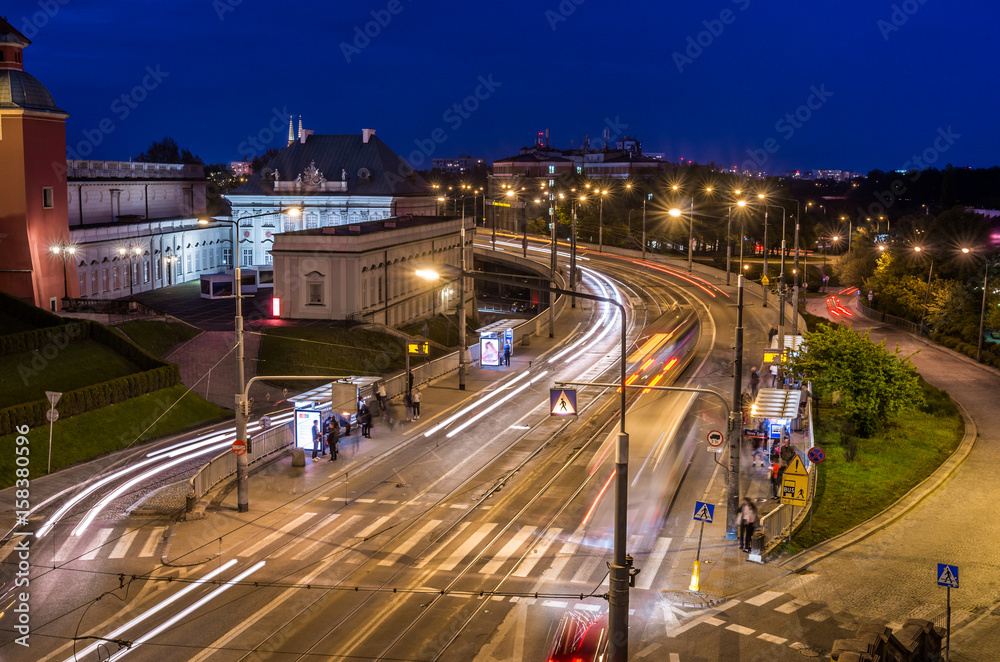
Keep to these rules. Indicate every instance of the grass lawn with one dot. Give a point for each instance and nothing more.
(25, 377)
(158, 337)
(331, 351)
(11, 324)
(441, 330)
(885, 467)
(95, 433)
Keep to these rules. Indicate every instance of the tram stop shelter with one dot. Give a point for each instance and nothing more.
(492, 339)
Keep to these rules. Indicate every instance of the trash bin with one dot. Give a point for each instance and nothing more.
(757, 541)
(298, 457)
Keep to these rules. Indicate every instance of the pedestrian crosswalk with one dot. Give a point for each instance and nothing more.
(489, 549)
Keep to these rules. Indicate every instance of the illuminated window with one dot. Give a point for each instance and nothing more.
(48, 197)
(315, 294)
(247, 259)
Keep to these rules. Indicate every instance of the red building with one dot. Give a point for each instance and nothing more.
(33, 207)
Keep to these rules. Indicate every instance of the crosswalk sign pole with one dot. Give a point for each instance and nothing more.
(947, 624)
(696, 571)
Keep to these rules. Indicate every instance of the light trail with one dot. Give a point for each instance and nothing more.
(152, 611)
(496, 404)
(597, 500)
(468, 408)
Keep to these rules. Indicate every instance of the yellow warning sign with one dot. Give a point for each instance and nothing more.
(796, 468)
(793, 489)
(418, 348)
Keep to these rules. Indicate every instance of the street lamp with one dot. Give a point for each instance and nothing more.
(927, 293)
(982, 314)
(600, 221)
(130, 253)
(62, 250)
(618, 593)
(242, 404)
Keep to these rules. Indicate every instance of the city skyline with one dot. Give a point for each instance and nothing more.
(850, 90)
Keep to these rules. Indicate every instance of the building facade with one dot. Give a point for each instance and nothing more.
(33, 205)
(367, 271)
(335, 180)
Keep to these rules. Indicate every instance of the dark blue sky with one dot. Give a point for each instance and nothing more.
(889, 74)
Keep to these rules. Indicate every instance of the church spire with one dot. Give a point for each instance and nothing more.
(291, 134)
(300, 128)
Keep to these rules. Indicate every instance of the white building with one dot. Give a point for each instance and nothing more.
(366, 271)
(336, 180)
(134, 227)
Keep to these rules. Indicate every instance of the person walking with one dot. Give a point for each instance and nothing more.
(408, 403)
(506, 354)
(415, 398)
(365, 418)
(748, 516)
(380, 395)
(333, 439)
(317, 440)
(775, 475)
(772, 332)
(787, 453)
(754, 381)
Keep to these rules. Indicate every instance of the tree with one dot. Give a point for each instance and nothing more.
(261, 160)
(167, 151)
(871, 382)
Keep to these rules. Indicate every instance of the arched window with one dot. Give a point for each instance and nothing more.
(364, 287)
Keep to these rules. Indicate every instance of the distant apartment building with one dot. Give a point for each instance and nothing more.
(463, 164)
(241, 168)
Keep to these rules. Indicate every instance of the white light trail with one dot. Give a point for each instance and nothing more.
(151, 612)
(496, 404)
(465, 410)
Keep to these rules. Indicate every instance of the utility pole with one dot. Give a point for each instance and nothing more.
(242, 405)
(552, 266)
(461, 315)
(764, 278)
(736, 427)
(572, 258)
(649, 196)
(691, 237)
(795, 281)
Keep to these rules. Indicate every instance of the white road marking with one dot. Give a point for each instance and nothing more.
(583, 575)
(409, 543)
(739, 629)
(711, 620)
(558, 604)
(152, 541)
(389, 501)
(819, 616)
(586, 606)
(772, 638)
(321, 539)
(372, 528)
(454, 534)
(566, 552)
(272, 537)
(66, 549)
(792, 605)
(653, 563)
(123, 544)
(512, 546)
(652, 648)
(364, 501)
(466, 547)
(537, 553)
(308, 533)
(99, 539)
(763, 598)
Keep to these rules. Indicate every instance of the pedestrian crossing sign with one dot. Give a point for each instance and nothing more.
(793, 489)
(703, 512)
(562, 401)
(947, 575)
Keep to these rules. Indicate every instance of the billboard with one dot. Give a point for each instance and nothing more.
(303, 427)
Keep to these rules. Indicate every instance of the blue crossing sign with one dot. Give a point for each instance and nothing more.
(947, 575)
(562, 401)
(703, 512)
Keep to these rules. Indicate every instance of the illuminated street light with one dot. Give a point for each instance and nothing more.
(62, 250)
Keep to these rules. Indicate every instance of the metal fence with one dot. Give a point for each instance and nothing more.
(779, 524)
(223, 465)
(881, 316)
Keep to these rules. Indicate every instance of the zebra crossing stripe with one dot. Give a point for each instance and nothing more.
(154, 538)
(409, 543)
(323, 537)
(653, 563)
(467, 547)
(273, 537)
(537, 553)
(123, 544)
(510, 548)
(99, 539)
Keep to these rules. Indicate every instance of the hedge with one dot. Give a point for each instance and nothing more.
(32, 314)
(90, 397)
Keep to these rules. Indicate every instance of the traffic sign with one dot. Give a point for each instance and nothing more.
(52, 415)
(239, 447)
(754, 434)
(816, 455)
(715, 438)
(871, 295)
(703, 512)
(562, 401)
(421, 348)
(796, 468)
(53, 397)
(947, 575)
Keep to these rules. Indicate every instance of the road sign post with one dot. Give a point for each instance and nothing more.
(716, 439)
(703, 512)
(947, 576)
(562, 401)
(52, 415)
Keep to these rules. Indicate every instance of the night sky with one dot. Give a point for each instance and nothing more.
(709, 81)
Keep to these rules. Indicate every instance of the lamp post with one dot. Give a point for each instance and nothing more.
(729, 234)
(927, 293)
(242, 403)
(62, 250)
(600, 222)
(982, 314)
(649, 196)
(618, 593)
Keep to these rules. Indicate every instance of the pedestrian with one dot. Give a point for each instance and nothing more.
(787, 453)
(746, 403)
(506, 354)
(415, 398)
(380, 395)
(333, 439)
(770, 335)
(365, 416)
(317, 440)
(775, 474)
(748, 516)
(408, 403)
(754, 381)
(755, 444)
(265, 422)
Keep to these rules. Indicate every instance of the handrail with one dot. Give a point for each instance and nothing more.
(223, 465)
